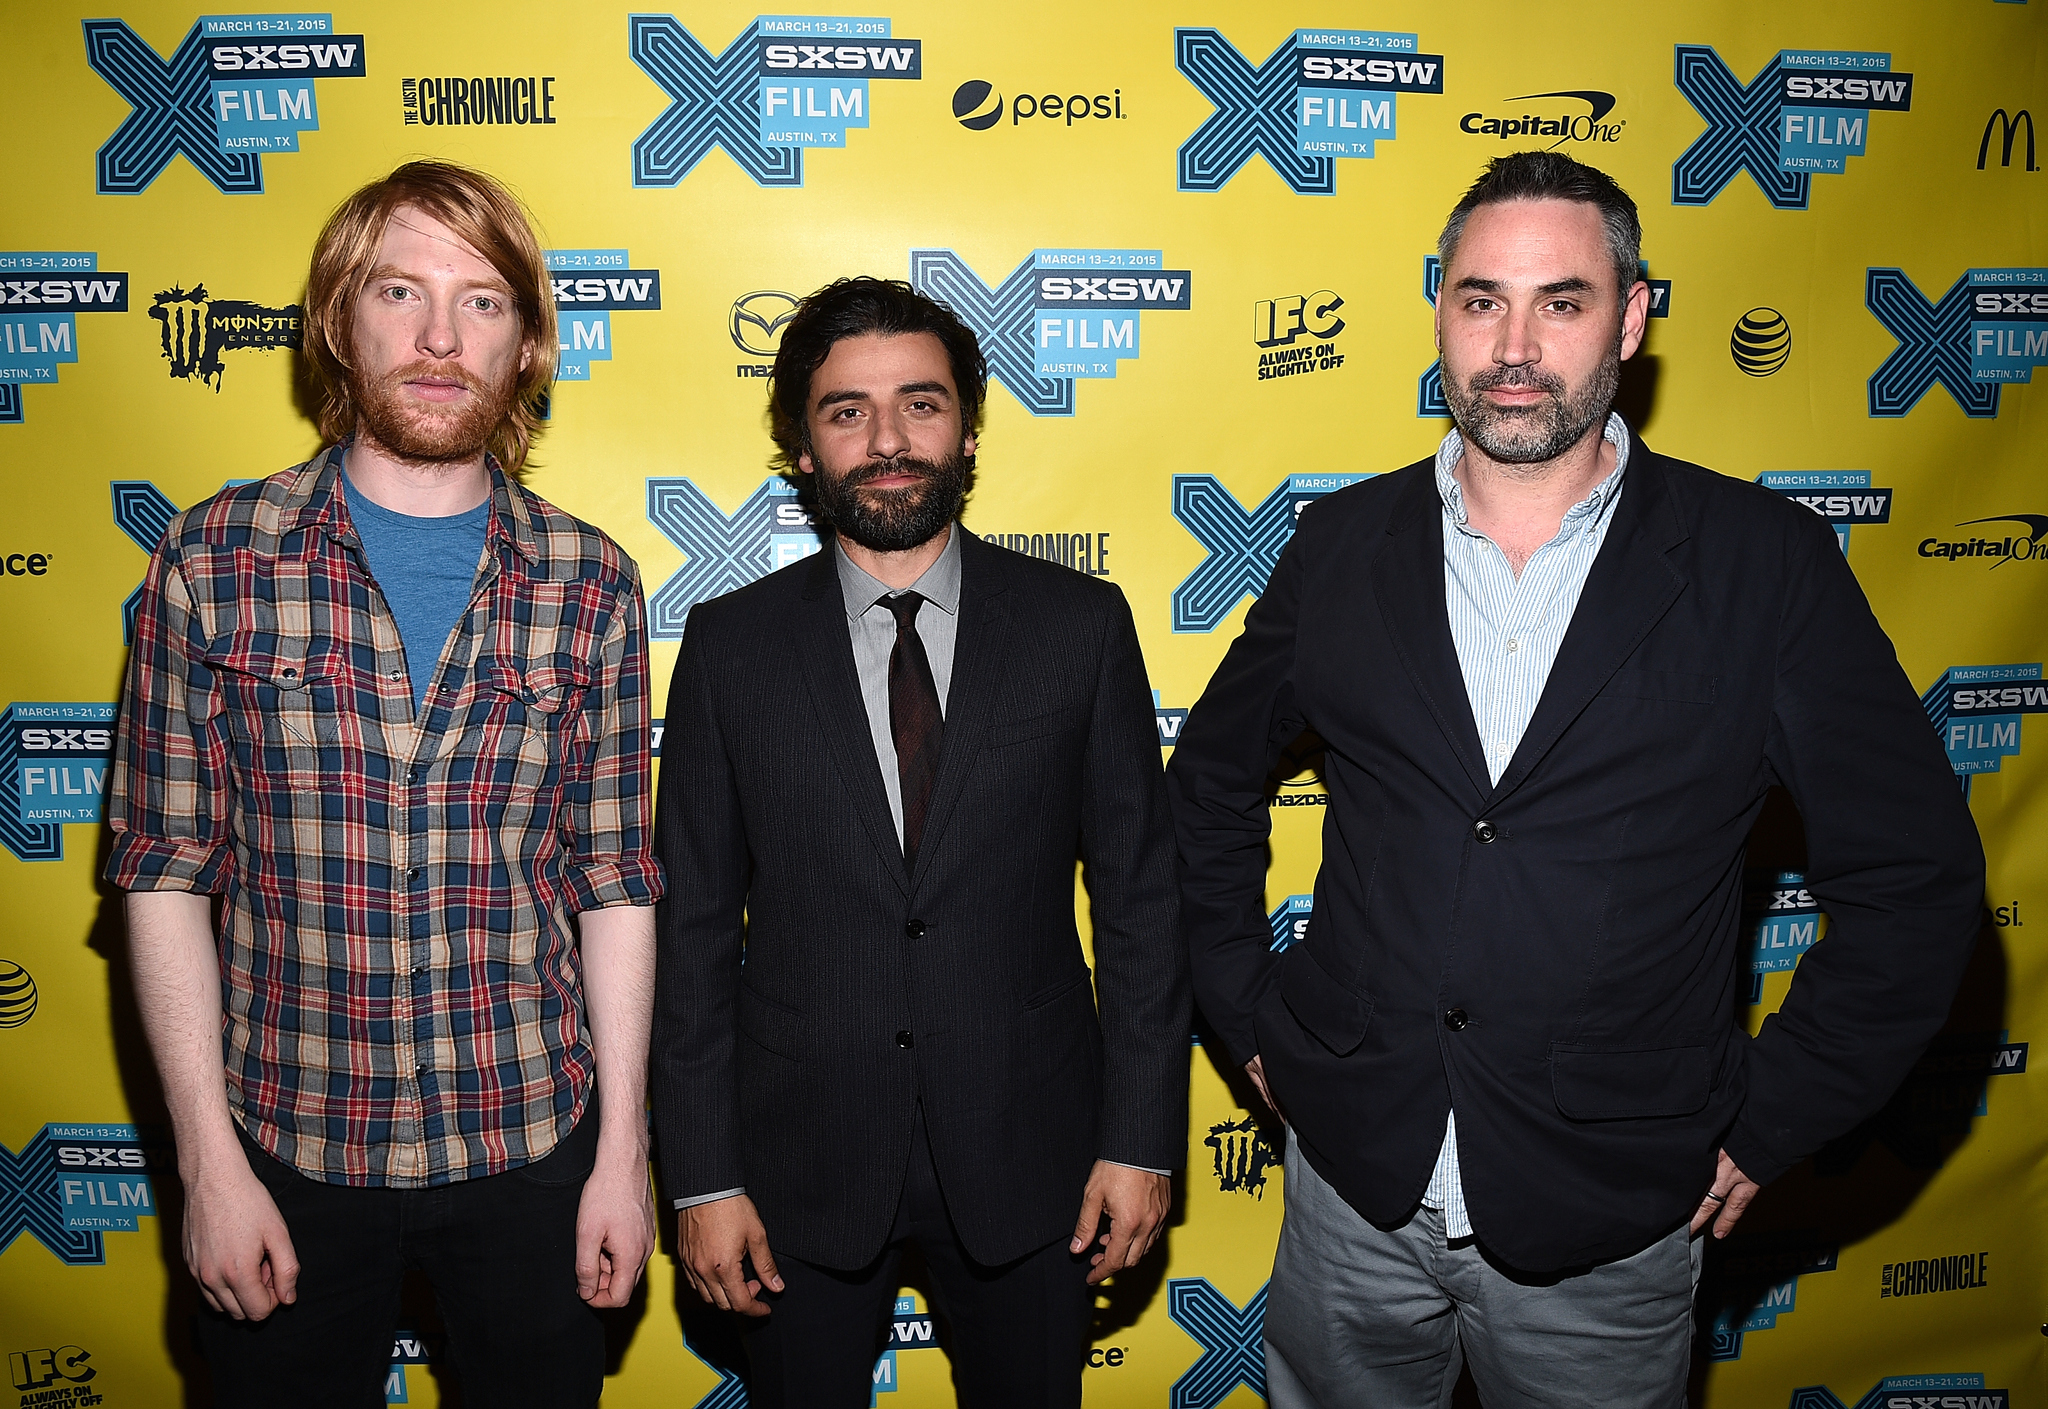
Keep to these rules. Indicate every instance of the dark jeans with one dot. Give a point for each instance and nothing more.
(1017, 1332)
(499, 1252)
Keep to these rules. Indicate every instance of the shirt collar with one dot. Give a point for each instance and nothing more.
(1615, 433)
(311, 501)
(940, 584)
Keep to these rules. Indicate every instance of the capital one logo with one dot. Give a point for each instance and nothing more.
(236, 87)
(1243, 544)
(1911, 1392)
(722, 552)
(1232, 1338)
(786, 83)
(71, 1185)
(1323, 94)
(1977, 709)
(1806, 112)
(1063, 315)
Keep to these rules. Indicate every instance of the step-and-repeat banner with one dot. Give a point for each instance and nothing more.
(1197, 242)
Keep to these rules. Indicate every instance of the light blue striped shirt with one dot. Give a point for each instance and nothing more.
(1507, 630)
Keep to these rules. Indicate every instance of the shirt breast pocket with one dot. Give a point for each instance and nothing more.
(537, 704)
(283, 698)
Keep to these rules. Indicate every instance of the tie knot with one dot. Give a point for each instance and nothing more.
(903, 606)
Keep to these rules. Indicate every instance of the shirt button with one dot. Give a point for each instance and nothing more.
(1483, 831)
(913, 929)
(1513, 645)
(1456, 1020)
(396, 674)
(904, 1039)
(412, 775)
(414, 873)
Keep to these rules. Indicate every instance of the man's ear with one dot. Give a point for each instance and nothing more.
(967, 444)
(804, 465)
(525, 355)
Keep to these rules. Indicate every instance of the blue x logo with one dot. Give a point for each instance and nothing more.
(1934, 346)
(1254, 114)
(1243, 548)
(10, 403)
(170, 100)
(720, 554)
(1429, 397)
(143, 513)
(28, 1204)
(1001, 318)
(1233, 1343)
(713, 106)
(1740, 133)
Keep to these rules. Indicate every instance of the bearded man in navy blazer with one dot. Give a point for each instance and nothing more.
(1555, 673)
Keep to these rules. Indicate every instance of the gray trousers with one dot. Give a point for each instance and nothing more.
(1363, 1318)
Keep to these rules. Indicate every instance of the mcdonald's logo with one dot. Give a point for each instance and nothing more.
(2009, 128)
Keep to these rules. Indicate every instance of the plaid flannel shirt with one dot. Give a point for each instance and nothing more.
(400, 979)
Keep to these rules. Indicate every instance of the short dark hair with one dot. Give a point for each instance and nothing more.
(1553, 176)
(851, 308)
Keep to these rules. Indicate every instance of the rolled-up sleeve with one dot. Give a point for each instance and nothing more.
(169, 793)
(609, 803)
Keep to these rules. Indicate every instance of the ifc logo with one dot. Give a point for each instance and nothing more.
(758, 319)
(1761, 342)
(968, 99)
(17, 994)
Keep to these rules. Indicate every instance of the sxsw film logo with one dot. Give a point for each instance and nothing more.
(909, 1329)
(755, 326)
(1232, 1339)
(1844, 498)
(1976, 709)
(30, 1370)
(1429, 396)
(1758, 1281)
(1991, 327)
(407, 1348)
(1290, 921)
(1997, 551)
(1784, 922)
(1935, 1107)
(71, 1185)
(786, 83)
(1323, 94)
(1279, 323)
(1243, 544)
(237, 87)
(1911, 1392)
(1562, 126)
(1063, 315)
(1168, 720)
(198, 328)
(53, 773)
(1808, 111)
(589, 286)
(721, 552)
(41, 295)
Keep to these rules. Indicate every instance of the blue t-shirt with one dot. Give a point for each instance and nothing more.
(426, 569)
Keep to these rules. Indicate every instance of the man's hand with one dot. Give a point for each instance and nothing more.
(715, 1236)
(1136, 1201)
(236, 1244)
(1727, 1196)
(1256, 1070)
(614, 1228)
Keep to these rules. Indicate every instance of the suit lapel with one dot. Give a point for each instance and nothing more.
(1632, 584)
(980, 646)
(1408, 584)
(826, 649)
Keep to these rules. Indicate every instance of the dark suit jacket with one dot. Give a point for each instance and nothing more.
(863, 986)
(1557, 954)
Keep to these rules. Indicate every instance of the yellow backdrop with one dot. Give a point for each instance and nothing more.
(1195, 238)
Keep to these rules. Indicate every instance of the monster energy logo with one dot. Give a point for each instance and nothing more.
(198, 328)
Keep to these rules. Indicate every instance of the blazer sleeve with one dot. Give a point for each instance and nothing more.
(1230, 743)
(1141, 964)
(700, 926)
(1893, 858)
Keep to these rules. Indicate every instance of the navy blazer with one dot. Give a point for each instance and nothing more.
(1557, 954)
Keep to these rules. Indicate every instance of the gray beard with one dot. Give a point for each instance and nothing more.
(1538, 434)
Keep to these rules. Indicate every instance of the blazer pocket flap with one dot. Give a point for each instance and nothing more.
(780, 1030)
(1664, 685)
(1332, 1013)
(1016, 731)
(1053, 992)
(1609, 1085)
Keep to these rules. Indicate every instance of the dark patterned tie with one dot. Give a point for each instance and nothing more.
(914, 719)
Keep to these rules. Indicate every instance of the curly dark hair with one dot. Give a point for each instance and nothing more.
(851, 308)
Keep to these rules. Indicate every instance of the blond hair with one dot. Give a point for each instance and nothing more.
(485, 216)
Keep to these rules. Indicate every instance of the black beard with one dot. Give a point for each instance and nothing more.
(1532, 435)
(894, 520)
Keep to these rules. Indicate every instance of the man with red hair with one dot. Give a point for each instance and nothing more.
(391, 709)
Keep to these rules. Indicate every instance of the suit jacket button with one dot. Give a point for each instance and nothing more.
(904, 1039)
(1483, 831)
(913, 929)
(1455, 1020)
